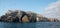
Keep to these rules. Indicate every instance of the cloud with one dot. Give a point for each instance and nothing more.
(53, 10)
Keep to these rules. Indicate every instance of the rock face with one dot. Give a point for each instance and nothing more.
(21, 16)
(53, 20)
(31, 16)
(25, 19)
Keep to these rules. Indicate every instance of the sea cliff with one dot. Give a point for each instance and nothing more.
(22, 16)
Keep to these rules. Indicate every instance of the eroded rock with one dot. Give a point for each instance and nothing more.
(21, 16)
(25, 19)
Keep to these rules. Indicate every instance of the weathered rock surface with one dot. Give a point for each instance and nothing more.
(53, 20)
(21, 16)
(25, 19)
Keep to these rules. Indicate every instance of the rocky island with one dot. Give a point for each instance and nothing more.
(22, 16)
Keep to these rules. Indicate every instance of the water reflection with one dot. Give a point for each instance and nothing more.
(48, 25)
(17, 25)
(30, 25)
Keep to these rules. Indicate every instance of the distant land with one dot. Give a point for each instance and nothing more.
(22, 16)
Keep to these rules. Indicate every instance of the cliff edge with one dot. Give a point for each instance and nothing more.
(22, 16)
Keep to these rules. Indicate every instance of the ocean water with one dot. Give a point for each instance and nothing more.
(30, 25)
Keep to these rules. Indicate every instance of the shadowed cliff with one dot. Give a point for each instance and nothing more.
(21, 16)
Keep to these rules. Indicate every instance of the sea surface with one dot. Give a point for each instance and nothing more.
(30, 25)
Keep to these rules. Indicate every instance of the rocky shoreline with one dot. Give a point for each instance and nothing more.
(21, 16)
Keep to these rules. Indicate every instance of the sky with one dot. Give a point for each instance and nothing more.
(53, 10)
(44, 7)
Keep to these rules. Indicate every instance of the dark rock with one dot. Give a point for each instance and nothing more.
(32, 16)
(21, 16)
(3, 18)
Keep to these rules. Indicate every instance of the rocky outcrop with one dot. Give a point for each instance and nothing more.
(53, 20)
(21, 16)
(31, 16)
(25, 19)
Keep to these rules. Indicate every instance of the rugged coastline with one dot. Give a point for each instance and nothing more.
(22, 16)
